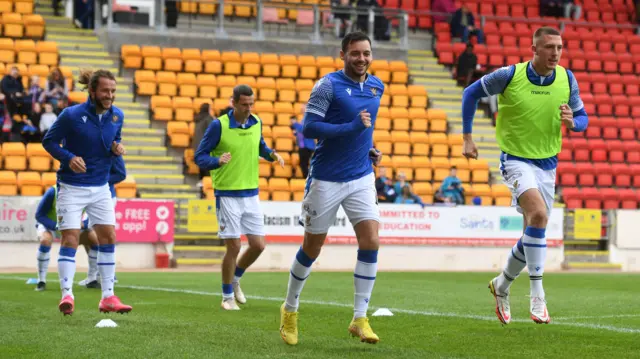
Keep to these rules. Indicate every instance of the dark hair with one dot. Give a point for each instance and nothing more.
(90, 78)
(545, 30)
(352, 37)
(454, 168)
(241, 90)
(204, 108)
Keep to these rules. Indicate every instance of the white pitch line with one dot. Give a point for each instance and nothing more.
(557, 321)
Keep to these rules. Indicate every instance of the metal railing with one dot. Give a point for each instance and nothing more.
(322, 24)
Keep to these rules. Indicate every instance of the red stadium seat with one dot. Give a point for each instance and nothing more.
(622, 173)
(610, 198)
(572, 198)
(604, 174)
(635, 173)
(586, 174)
(628, 198)
(567, 172)
(598, 149)
(580, 149)
(616, 151)
(592, 198)
(632, 149)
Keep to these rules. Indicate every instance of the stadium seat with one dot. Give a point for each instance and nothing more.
(8, 183)
(39, 158)
(29, 183)
(49, 179)
(14, 154)
(126, 188)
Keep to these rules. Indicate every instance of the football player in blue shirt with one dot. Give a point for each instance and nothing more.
(341, 114)
(90, 134)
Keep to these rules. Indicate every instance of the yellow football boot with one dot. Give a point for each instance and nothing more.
(288, 326)
(360, 328)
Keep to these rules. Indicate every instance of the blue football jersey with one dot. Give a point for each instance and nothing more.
(338, 99)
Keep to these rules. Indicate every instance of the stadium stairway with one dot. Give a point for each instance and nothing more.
(444, 94)
(157, 170)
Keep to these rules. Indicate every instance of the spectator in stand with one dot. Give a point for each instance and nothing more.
(22, 130)
(463, 25)
(443, 6)
(452, 189)
(559, 8)
(226, 110)
(466, 64)
(306, 146)
(384, 187)
(408, 197)
(35, 116)
(55, 89)
(13, 90)
(342, 18)
(202, 121)
(34, 93)
(47, 119)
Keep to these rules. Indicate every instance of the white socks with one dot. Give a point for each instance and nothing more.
(364, 278)
(66, 270)
(92, 274)
(535, 250)
(107, 268)
(300, 270)
(515, 264)
(44, 254)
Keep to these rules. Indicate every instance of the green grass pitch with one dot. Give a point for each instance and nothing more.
(436, 315)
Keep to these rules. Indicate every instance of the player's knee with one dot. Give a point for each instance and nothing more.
(69, 240)
(538, 218)
(45, 241)
(233, 247)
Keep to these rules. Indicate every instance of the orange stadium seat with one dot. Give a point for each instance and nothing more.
(14, 154)
(29, 183)
(126, 188)
(8, 183)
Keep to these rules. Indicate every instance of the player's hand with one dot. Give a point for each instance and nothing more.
(469, 149)
(77, 165)
(225, 158)
(567, 116)
(376, 156)
(118, 149)
(365, 117)
(276, 157)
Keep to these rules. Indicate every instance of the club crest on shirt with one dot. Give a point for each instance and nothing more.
(115, 118)
(374, 91)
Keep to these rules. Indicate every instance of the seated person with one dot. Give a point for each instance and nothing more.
(408, 197)
(452, 188)
(384, 187)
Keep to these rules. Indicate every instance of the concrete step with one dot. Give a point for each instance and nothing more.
(147, 159)
(68, 30)
(169, 195)
(155, 132)
(195, 237)
(439, 82)
(427, 53)
(452, 97)
(613, 267)
(198, 261)
(427, 67)
(416, 60)
(153, 178)
(444, 89)
(136, 123)
(84, 61)
(83, 46)
(153, 168)
(74, 38)
(143, 141)
(147, 150)
(77, 53)
(167, 187)
(431, 74)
